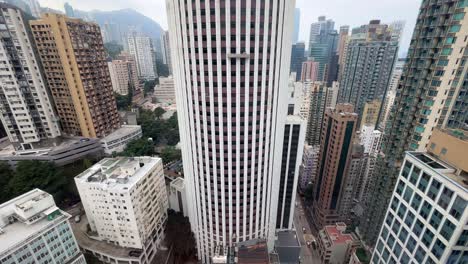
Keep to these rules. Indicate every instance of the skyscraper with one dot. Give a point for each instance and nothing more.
(367, 69)
(140, 46)
(123, 74)
(166, 46)
(430, 93)
(26, 107)
(342, 48)
(323, 44)
(297, 58)
(232, 109)
(297, 24)
(34, 7)
(426, 219)
(330, 202)
(309, 71)
(75, 66)
(69, 11)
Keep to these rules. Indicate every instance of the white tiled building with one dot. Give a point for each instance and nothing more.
(426, 221)
(141, 48)
(126, 204)
(34, 230)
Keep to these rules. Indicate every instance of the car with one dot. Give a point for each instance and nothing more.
(77, 219)
(303, 229)
(308, 243)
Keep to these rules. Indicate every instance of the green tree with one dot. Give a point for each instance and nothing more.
(163, 69)
(170, 153)
(139, 147)
(159, 112)
(148, 87)
(113, 49)
(6, 174)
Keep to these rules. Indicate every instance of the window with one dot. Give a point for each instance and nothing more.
(445, 198)
(425, 210)
(380, 246)
(408, 194)
(401, 211)
(453, 259)
(406, 169)
(416, 202)
(418, 227)
(438, 248)
(397, 250)
(415, 175)
(447, 230)
(400, 187)
(404, 258)
(394, 204)
(384, 233)
(436, 219)
(427, 238)
(458, 16)
(390, 241)
(409, 219)
(446, 52)
(403, 235)
(434, 189)
(454, 28)
(420, 254)
(463, 238)
(424, 182)
(458, 207)
(396, 226)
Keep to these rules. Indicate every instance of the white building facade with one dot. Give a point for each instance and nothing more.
(126, 202)
(27, 111)
(118, 140)
(426, 218)
(34, 230)
(141, 48)
(230, 80)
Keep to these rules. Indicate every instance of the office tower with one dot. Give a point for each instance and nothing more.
(342, 48)
(297, 24)
(140, 47)
(166, 46)
(308, 171)
(34, 7)
(34, 230)
(297, 58)
(124, 75)
(230, 124)
(164, 92)
(329, 201)
(335, 244)
(69, 11)
(126, 204)
(75, 66)
(26, 109)
(370, 113)
(293, 147)
(422, 100)
(368, 66)
(426, 219)
(323, 44)
(319, 97)
(309, 71)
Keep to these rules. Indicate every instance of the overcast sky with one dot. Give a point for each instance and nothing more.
(344, 12)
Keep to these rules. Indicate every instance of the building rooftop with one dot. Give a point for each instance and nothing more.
(252, 252)
(287, 239)
(442, 168)
(121, 132)
(120, 173)
(24, 216)
(178, 183)
(336, 234)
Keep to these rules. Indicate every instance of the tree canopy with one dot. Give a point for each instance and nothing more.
(113, 49)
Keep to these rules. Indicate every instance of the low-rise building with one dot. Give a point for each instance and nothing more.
(288, 247)
(335, 245)
(34, 230)
(116, 141)
(164, 92)
(308, 170)
(177, 196)
(126, 204)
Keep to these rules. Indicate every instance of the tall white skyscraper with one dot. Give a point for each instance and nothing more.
(141, 48)
(26, 108)
(230, 66)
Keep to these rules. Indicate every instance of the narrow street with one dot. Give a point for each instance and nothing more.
(308, 254)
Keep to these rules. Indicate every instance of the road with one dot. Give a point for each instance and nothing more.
(308, 255)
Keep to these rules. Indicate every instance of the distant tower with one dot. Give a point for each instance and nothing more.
(69, 11)
(231, 81)
(140, 46)
(297, 58)
(297, 24)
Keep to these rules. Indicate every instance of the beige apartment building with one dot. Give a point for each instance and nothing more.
(74, 60)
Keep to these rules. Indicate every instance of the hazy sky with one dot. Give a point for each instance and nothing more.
(344, 12)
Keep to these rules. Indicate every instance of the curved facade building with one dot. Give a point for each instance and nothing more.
(231, 65)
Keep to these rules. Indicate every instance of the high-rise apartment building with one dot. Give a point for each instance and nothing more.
(367, 69)
(309, 71)
(396, 74)
(329, 199)
(297, 24)
(319, 97)
(75, 66)
(34, 230)
(426, 219)
(26, 108)
(34, 7)
(297, 58)
(124, 74)
(166, 46)
(141, 47)
(126, 204)
(430, 93)
(308, 171)
(69, 11)
(342, 48)
(323, 44)
(232, 114)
